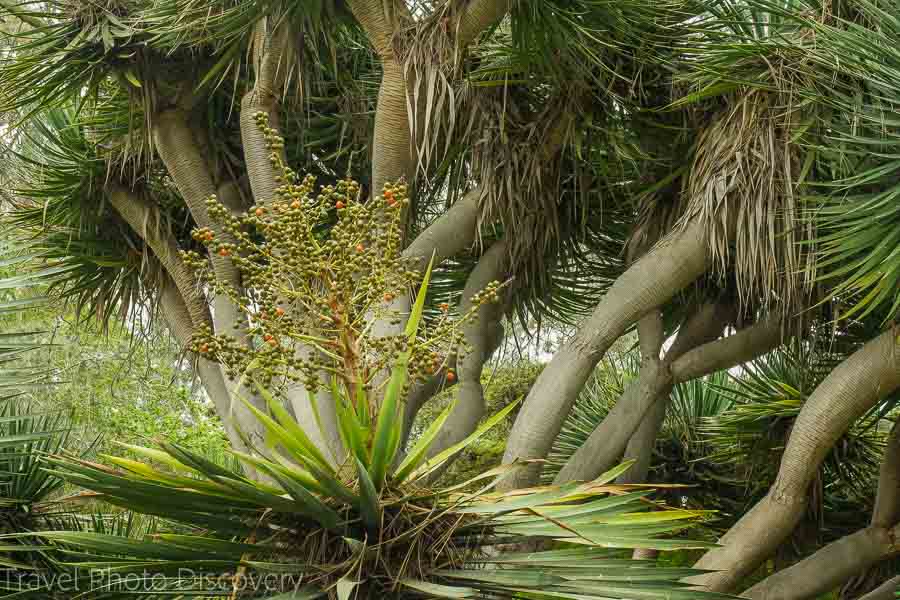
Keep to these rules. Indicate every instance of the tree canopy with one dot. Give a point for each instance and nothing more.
(276, 179)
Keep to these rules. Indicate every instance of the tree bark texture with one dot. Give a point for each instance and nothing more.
(886, 591)
(479, 335)
(651, 281)
(852, 388)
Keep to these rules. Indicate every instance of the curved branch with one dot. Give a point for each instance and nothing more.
(272, 51)
(640, 444)
(886, 591)
(651, 281)
(450, 234)
(177, 317)
(748, 343)
(469, 407)
(886, 512)
(852, 388)
(829, 567)
(703, 326)
(480, 16)
(182, 156)
(142, 216)
(837, 562)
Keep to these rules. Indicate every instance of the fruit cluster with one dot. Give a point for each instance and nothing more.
(324, 287)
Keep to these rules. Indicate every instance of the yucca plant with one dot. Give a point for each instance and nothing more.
(358, 517)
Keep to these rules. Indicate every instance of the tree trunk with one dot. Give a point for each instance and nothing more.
(604, 447)
(210, 374)
(392, 154)
(852, 388)
(272, 66)
(829, 567)
(886, 591)
(469, 408)
(837, 562)
(651, 281)
(180, 152)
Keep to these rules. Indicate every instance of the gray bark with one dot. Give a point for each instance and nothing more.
(181, 153)
(886, 591)
(604, 447)
(469, 408)
(829, 567)
(661, 273)
(177, 317)
(852, 388)
(837, 562)
(272, 67)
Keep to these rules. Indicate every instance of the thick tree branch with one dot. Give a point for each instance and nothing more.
(377, 23)
(182, 156)
(177, 317)
(604, 447)
(829, 567)
(651, 281)
(645, 398)
(748, 343)
(837, 562)
(886, 512)
(852, 388)
(450, 234)
(640, 444)
(392, 152)
(272, 54)
(479, 333)
(480, 16)
(143, 217)
(886, 591)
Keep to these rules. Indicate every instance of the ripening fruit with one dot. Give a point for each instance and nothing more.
(204, 349)
(273, 342)
(444, 306)
(224, 252)
(279, 311)
(260, 212)
(268, 337)
(451, 376)
(339, 205)
(295, 204)
(388, 297)
(360, 248)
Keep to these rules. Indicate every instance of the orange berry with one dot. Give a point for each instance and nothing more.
(279, 311)
(339, 205)
(388, 297)
(268, 337)
(204, 348)
(360, 248)
(295, 204)
(273, 342)
(451, 376)
(224, 252)
(260, 212)
(444, 306)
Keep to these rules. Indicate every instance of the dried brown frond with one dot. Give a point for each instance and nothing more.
(744, 185)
